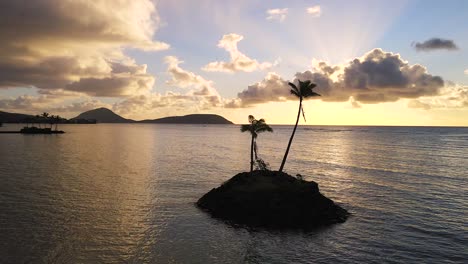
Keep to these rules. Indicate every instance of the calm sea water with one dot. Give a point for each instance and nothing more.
(125, 194)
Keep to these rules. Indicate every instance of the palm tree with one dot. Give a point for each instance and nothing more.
(51, 121)
(38, 120)
(57, 120)
(304, 91)
(45, 115)
(255, 127)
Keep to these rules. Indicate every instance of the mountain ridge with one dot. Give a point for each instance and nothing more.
(105, 115)
(189, 119)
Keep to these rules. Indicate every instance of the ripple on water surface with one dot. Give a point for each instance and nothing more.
(125, 193)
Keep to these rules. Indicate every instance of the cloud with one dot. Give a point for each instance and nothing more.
(353, 102)
(182, 78)
(453, 96)
(79, 107)
(125, 22)
(200, 94)
(74, 45)
(50, 102)
(435, 44)
(314, 11)
(168, 103)
(277, 14)
(115, 85)
(271, 89)
(239, 61)
(418, 104)
(197, 85)
(466, 72)
(25, 102)
(376, 77)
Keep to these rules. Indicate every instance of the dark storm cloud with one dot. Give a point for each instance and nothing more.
(435, 44)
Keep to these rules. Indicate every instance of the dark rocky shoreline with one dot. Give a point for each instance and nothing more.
(271, 199)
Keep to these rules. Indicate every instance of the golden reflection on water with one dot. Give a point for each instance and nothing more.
(111, 198)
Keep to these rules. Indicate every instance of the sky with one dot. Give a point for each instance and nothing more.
(374, 62)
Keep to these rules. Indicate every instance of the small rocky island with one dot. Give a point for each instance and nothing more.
(38, 130)
(271, 199)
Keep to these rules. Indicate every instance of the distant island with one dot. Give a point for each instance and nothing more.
(104, 115)
(190, 119)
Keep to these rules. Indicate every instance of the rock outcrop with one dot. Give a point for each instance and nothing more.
(271, 199)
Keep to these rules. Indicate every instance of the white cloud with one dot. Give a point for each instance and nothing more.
(182, 78)
(166, 103)
(466, 71)
(239, 61)
(451, 96)
(277, 14)
(314, 11)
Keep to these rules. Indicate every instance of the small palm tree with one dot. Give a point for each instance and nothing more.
(51, 121)
(38, 120)
(45, 115)
(255, 127)
(57, 120)
(304, 91)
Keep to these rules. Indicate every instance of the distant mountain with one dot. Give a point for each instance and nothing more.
(103, 115)
(13, 117)
(190, 119)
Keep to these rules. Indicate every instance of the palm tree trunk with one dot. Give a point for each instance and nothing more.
(292, 136)
(251, 154)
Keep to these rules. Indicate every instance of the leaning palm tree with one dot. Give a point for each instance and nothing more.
(304, 91)
(255, 127)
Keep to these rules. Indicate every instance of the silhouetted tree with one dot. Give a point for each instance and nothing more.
(38, 120)
(51, 120)
(29, 120)
(303, 91)
(255, 127)
(57, 120)
(45, 115)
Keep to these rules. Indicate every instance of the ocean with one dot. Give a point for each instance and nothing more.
(125, 193)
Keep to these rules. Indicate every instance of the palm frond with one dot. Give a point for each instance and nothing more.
(293, 85)
(262, 128)
(294, 89)
(245, 128)
(305, 83)
(295, 93)
(309, 93)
